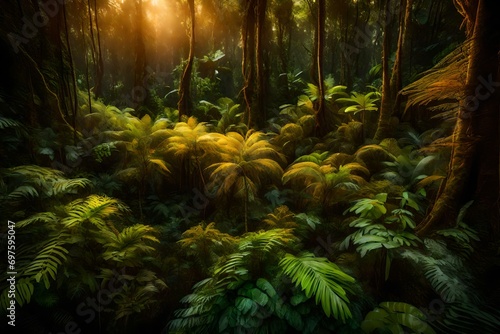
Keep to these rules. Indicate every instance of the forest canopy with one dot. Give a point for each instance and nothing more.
(256, 166)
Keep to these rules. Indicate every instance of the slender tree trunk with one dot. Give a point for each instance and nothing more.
(185, 103)
(386, 104)
(248, 58)
(397, 76)
(322, 124)
(474, 167)
(99, 69)
(283, 14)
(139, 91)
(261, 73)
(74, 92)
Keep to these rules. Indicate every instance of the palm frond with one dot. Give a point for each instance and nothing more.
(322, 279)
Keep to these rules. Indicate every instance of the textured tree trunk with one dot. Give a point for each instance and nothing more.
(139, 91)
(99, 70)
(248, 58)
(283, 14)
(474, 167)
(397, 70)
(260, 94)
(185, 103)
(322, 123)
(387, 102)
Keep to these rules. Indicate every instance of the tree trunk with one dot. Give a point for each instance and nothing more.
(185, 104)
(474, 165)
(396, 75)
(248, 58)
(322, 123)
(259, 108)
(386, 104)
(139, 91)
(99, 70)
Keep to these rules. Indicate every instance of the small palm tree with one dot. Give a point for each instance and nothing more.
(360, 103)
(192, 147)
(249, 163)
(142, 159)
(206, 243)
(323, 182)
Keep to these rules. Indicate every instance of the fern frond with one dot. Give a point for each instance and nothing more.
(320, 278)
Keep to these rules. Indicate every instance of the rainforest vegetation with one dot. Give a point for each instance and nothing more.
(250, 166)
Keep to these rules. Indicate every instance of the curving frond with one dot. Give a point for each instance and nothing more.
(130, 244)
(322, 279)
(396, 317)
(95, 209)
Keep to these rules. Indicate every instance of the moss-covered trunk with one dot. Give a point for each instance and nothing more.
(474, 167)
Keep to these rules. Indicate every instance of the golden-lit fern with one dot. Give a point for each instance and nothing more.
(206, 243)
(143, 162)
(322, 181)
(191, 149)
(249, 163)
(94, 209)
(282, 217)
(439, 88)
(129, 245)
(36, 181)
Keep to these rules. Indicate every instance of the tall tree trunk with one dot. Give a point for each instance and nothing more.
(74, 92)
(284, 15)
(259, 108)
(185, 103)
(99, 69)
(139, 91)
(322, 123)
(386, 104)
(474, 167)
(397, 70)
(248, 57)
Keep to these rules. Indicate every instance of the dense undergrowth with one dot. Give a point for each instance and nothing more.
(205, 226)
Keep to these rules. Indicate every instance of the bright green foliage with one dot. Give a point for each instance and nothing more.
(125, 246)
(376, 229)
(396, 317)
(370, 208)
(320, 278)
(332, 92)
(32, 181)
(82, 237)
(231, 115)
(247, 290)
(360, 102)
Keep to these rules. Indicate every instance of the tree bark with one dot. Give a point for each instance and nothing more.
(248, 58)
(139, 91)
(261, 73)
(386, 104)
(185, 103)
(474, 167)
(322, 124)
